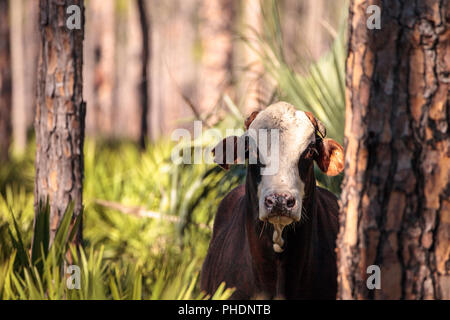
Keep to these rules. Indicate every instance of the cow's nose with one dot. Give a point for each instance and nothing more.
(279, 203)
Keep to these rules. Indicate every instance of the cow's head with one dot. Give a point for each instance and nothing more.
(277, 163)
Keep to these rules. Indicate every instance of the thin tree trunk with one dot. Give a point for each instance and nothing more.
(19, 110)
(5, 82)
(144, 87)
(31, 41)
(314, 32)
(215, 28)
(256, 88)
(99, 70)
(60, 113)
(174, 73)
(395, 198)
(127, 70)
(253, 77)
(293, 17)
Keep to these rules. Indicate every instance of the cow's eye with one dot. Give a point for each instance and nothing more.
(311, 152)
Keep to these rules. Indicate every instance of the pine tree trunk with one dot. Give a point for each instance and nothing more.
(31, 40)
(19, 110)
(99, 70)
(60, 112)
(395, 198)
(127, 71)
(5, 82)
(254, 93)
(215, 28)
(172, 64)
(315, 33)
(144, 81)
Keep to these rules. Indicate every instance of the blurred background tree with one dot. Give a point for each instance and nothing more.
(5, 82)
(145, 79)
(147, 220)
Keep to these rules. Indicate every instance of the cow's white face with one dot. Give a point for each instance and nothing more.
(281, 192)
(280, 189)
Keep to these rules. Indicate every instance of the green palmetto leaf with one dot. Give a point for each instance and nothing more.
(19, 286)
(137, 287)
(187, 293)
(22, 254)
(114, 288)
(222, 293)
(63, 234)
(41, 236)
(6, 271)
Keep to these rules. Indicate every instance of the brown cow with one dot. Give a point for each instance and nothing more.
(274, 237)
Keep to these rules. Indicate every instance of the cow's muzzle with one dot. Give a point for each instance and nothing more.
(279, 204)
(280, 210)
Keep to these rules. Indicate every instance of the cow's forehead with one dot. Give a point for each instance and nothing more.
(290, 122)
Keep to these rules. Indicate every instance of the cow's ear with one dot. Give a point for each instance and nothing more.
(330, 158)
(318, 125)
(227, 152)
(250, 119)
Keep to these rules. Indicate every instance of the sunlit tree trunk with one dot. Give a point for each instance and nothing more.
(293, 17)
(314, 32)
(395, 198)
(216, 33)
(19, 111)
(60, 112)
(99, 70)
(128, 71)
(173, 69)
(5, 82)
(31, 39)
(253, 86)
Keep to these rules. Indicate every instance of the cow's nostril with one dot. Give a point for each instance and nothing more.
(277, 203)
(269, 202)
(290, 203)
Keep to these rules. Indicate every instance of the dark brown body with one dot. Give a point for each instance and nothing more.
(241, 253)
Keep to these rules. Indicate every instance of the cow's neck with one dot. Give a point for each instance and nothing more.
(273, 268)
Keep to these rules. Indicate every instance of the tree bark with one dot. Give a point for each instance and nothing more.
(5, 82)
(315, 33)
(60, 113)
(127, 71)
(395, 198)
(31, 41)
(99, 69)
(215, 29)
(173, 68)
(19, 110)
(254, 90)
(144, 81)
